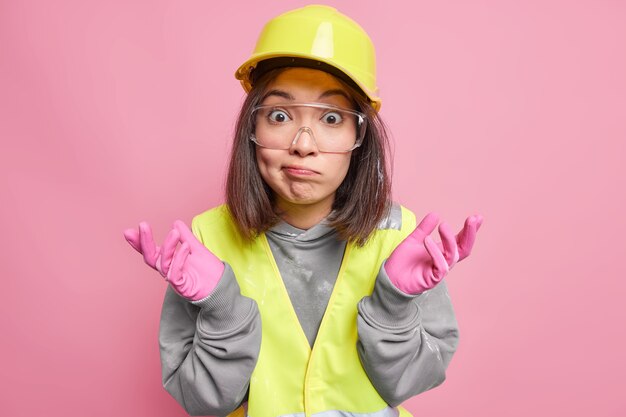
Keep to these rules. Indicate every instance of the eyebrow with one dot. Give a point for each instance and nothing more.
(286, 95)
(278, 93)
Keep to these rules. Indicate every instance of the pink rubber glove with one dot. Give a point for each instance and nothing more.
(191, 269)
(419, 264)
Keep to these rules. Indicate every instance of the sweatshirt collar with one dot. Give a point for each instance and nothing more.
(289, 232)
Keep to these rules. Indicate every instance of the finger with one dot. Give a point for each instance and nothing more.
(167, 250)
(186, 235)
(175, 275)
(448, 240)
(182, 283)
(147, 244)
(479, 219)
(440, 266)
(132, 237)
(466, 237)
(428, 224)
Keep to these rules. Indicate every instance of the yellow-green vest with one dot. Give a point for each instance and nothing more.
(290, 378)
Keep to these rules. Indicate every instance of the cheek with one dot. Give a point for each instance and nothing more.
(339, 171)
(264, 162)
(342, 166)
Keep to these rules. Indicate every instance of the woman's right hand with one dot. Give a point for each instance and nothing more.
(191, 269)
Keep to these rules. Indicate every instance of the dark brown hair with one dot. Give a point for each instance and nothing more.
(362, 200)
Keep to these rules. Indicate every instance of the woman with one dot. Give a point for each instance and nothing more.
(308, 292)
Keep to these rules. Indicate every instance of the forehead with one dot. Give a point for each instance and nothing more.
(308, 85)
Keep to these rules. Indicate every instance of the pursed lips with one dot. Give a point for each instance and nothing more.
(299, 170)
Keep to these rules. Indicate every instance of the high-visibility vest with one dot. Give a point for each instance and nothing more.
(291, 378)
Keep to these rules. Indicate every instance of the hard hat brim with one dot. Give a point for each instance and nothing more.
(244, 72)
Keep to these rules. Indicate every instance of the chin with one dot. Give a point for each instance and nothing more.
(305, 199)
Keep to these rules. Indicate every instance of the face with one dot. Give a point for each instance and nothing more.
(302, 177)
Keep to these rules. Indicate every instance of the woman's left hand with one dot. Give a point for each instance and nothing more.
(418, 263)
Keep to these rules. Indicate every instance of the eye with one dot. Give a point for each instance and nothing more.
(332, 118)
(278, 116)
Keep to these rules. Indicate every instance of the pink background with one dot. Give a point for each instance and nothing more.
(117, 112)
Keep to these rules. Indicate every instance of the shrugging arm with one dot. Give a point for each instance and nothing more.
(405, 342)
(209, 347)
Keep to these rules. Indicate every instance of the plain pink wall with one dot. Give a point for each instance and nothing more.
(115, 113)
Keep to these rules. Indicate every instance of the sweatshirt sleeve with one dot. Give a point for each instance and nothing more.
(209, 347)
(405, 342)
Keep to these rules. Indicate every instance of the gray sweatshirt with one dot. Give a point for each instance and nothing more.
(209, 347)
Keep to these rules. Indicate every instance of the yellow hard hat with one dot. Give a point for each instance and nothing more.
(319, 37)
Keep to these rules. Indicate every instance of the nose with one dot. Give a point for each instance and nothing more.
(304, 143)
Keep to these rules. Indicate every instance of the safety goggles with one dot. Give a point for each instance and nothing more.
(333, 129)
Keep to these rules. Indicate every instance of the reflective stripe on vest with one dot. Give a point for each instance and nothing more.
(387, 412)
(290, 378)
